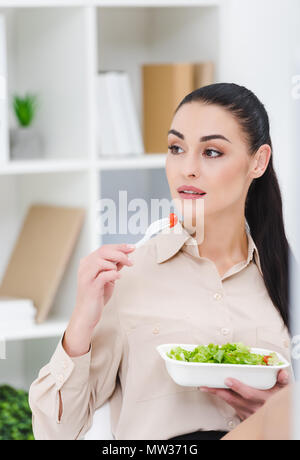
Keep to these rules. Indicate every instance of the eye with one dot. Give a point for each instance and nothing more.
(174, 149)
(219, 154)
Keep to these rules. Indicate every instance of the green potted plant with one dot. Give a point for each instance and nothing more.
(15, 415)
(25, 140)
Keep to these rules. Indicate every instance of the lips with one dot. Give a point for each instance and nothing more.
(190, 188)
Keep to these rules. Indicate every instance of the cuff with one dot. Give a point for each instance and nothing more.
(75, 370)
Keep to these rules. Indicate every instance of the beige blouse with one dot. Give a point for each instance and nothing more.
(169, 295)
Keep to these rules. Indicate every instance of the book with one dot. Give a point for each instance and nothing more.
(119, 132)
(41, 254)
(117, 113)
(106, 140)
(16, 310)
(3, 95)
(164, 87)
(130, 115)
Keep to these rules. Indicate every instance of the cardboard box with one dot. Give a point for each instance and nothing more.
(164, 87)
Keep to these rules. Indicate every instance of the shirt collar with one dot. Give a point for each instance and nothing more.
(171, 240)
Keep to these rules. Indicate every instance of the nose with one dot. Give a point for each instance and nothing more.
(191, 166)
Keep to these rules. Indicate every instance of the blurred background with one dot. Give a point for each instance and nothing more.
(66, 141)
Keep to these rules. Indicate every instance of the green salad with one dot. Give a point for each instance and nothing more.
(230, 353)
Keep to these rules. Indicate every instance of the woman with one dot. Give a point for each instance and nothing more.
(231, 287)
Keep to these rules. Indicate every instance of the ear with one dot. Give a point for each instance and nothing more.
(260, 161)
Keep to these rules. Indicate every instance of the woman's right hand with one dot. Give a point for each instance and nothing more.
(97, 274)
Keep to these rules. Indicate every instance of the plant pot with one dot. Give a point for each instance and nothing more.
(25, 143)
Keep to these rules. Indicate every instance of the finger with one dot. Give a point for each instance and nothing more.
(243, 407)
(105, 250)
(105, 265)
(126, 248)
(282, 377)
(89, 271)
(243, 413)
(107, 277)
(247, 392)
(117, 257)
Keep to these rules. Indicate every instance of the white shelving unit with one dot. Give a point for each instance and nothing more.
(56, 48)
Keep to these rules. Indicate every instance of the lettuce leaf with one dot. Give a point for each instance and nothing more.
(230, 353)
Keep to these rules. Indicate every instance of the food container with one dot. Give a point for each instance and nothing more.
(214, 374)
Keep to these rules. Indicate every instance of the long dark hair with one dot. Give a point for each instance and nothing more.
(263, 207)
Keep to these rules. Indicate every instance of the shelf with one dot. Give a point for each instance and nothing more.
(111, 163)
(154, 160)
(107, 3)
(155, 3)
(42, 166)
(42, 3)
(50, 328)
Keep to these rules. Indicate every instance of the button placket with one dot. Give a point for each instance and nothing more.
(223, 331)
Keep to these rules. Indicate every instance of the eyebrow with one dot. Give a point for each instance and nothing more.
(202, 139)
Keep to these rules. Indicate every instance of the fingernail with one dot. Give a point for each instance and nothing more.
(229, 382)
(131, 246)
(204, 390)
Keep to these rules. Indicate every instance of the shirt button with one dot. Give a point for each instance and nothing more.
(64, 365)
(60, 378)
(230, 424)
(155, 330)
(218, 296)
(286, 343)
(225, 331)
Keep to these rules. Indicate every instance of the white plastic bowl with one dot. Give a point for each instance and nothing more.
(213, 374)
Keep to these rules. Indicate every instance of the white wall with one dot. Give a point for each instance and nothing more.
(257, 40)
(295, 70)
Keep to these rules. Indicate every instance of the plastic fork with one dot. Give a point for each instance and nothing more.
(157, 226)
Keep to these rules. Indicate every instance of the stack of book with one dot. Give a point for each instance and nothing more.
(16, 311)
(164, 86)
(3, 94)
(118, 129)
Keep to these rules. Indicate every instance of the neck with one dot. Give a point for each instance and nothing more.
(225, 239)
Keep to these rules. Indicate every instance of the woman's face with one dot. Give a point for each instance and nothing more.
(198, 156)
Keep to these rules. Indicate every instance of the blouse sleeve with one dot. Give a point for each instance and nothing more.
(82, 383)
